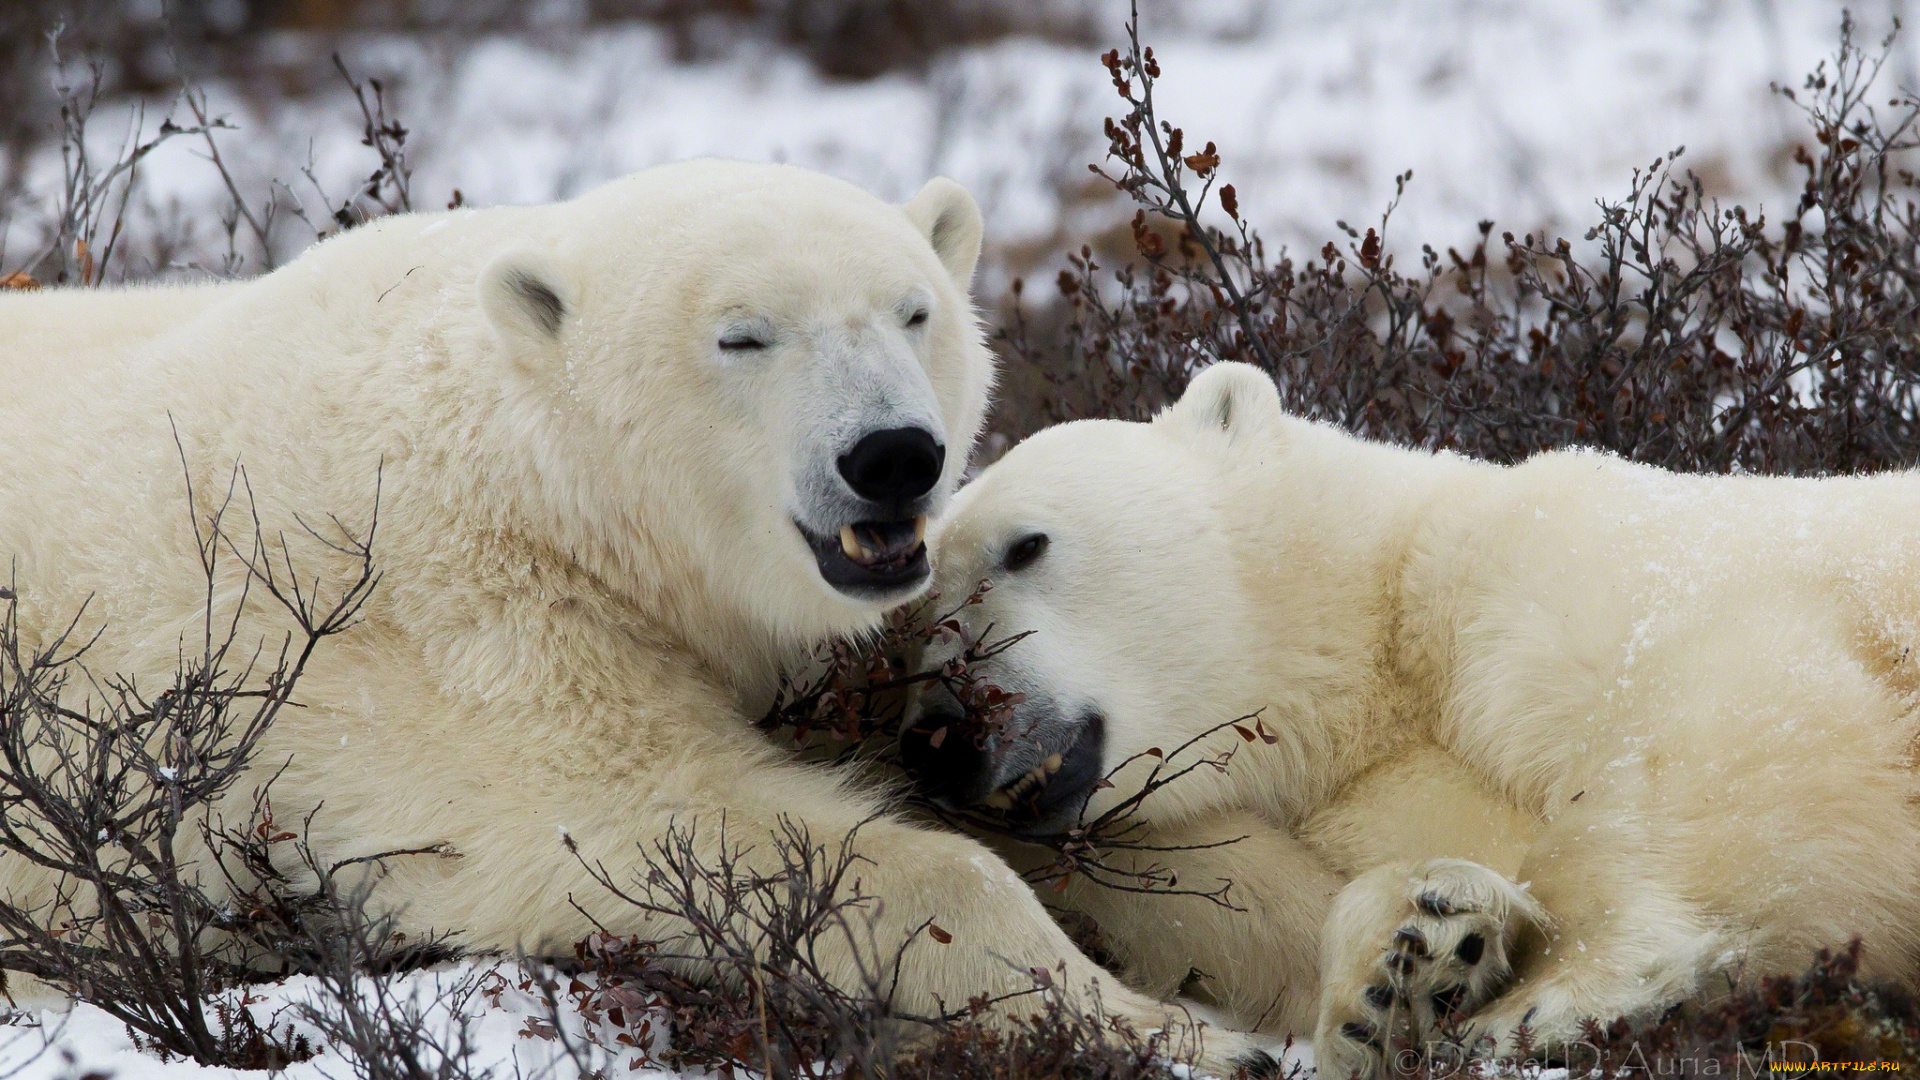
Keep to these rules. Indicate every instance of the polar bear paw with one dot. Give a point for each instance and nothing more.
(1409, 953)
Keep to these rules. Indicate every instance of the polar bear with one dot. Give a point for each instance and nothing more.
(1570, 739)
(636, 452)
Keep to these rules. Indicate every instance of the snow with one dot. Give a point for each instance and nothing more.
(49, 1045)
(500, 1011)
(1519, 111)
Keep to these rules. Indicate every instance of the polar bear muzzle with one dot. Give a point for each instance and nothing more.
(870, 559)
(1018, 776)
(892, 472)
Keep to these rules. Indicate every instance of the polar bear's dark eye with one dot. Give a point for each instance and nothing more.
(918, 318)
(1024, 551)
(741, 343)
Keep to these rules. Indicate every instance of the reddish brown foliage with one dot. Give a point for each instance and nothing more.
(1678, 332)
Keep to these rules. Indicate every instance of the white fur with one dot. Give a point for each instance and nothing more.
(1679, 711)
(590, 571)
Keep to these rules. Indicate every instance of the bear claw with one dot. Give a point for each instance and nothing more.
(1434, 948)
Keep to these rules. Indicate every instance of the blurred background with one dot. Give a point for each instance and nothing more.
(1519, 111)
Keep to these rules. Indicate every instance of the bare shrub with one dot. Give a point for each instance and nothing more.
(84, 230)
(765, 921)
(860, 688)
(1828, 1014)
(389, 1031)
(1053, 1041)
(388, 189)
(1680, 332)
(296, 913)
(1785, 1026)
(761, 921)
(105, 787)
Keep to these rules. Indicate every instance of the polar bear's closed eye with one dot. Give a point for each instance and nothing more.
(746, 336)
(835, 364)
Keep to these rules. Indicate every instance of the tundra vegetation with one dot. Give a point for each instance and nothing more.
(1676, 331)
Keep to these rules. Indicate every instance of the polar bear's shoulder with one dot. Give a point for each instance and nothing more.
(101, 313)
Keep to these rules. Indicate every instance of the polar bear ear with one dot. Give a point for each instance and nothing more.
(947, 216)
(1238, 399)
(525, 297)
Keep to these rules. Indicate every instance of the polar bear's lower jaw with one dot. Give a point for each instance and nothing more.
(1051, 797)
(891, 558)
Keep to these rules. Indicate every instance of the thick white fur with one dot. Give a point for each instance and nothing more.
(1679, 712)
(590, 574)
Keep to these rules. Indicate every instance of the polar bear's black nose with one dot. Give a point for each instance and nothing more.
(894, 466)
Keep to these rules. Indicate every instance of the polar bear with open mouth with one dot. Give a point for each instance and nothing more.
(638, 452)
(1550, 742)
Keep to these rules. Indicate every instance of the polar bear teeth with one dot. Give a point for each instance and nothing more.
(883, 547)
(1026, 784)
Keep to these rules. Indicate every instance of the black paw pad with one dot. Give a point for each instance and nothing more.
(1446, 1001)
(1470, 949)
(1359, 1032)
(1403, 963)
(1380, 996)
(1258, 1065)
(1435, 904)
(1411, 939)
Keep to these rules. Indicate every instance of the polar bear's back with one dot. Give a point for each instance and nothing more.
(98, 383)
(1615, 613)
(48, 334)
(1752, 532)
(1639, 545)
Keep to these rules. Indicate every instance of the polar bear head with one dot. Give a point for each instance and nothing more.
(749, 386)
(1113, 547)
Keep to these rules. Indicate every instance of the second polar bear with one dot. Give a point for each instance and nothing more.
(1550, 742)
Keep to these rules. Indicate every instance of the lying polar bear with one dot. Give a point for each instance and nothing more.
(637, 452)
(1553, 742)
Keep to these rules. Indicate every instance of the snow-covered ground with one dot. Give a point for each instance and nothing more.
(492, 1009)
(1522, 111)
(505, 1028)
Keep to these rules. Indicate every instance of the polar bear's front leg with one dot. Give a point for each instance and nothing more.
(992, 934)
(1624, 941)
(995, 931)
(1255, 951)
(1408, 949)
